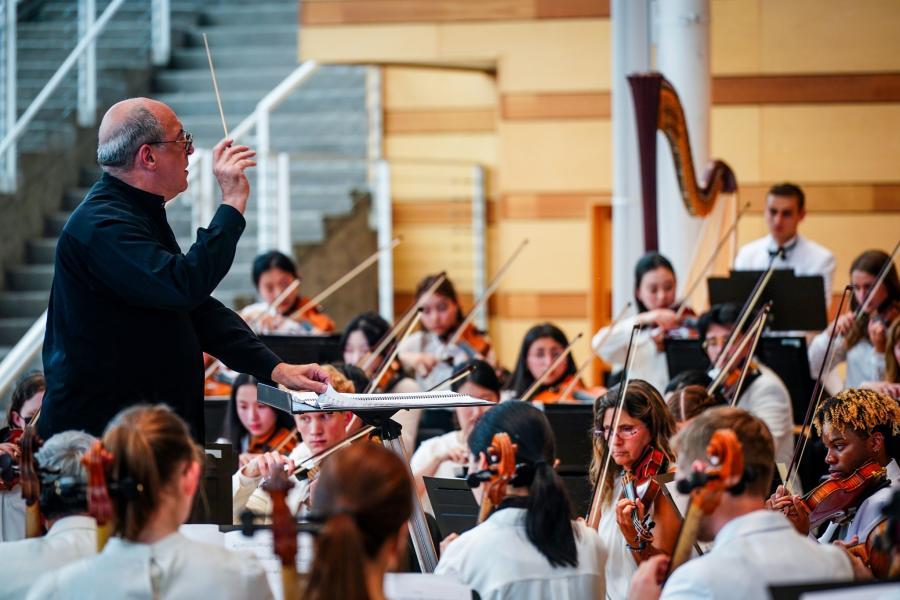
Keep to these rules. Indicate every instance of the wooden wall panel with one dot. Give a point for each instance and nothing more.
(549, 206)
(735, 137)
(850, 198)
(431, 180)
(806, 89)
(734, 36)
(555, 260)
(466, 148)
(439, 121)
(574, 105)
(418, 88)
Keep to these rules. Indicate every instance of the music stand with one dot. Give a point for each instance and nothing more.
(788, 357)
(303, 349)
(453, 504)
(572, 425)
(214, 504)
(798, 302)
(685, 355)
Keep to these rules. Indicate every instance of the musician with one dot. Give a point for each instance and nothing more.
(890, 386)
(529, 548)
(541, 346)
(155, 471)
(444, 455)
(72, 534)
(785, 209)
(126, 305)
(253, 428)
(763, 393)
(686, 402)
(272, 273)
(24, 404)
(857, 426)
(364, 495)
(754, 548)
(641, 443)
(861, 343)
(654, 296)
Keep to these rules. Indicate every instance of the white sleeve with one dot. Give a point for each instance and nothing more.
(615, 347)
(828, 269)
(742, 260)
(817, 348)
(772, 405)
(687, 584)
(242, 487)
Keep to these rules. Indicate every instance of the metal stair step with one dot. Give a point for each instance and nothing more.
(241, 35)
(23, 304)
(278, 13)
(227, 58)
(12, 329)
(29, 278)
(41, 250)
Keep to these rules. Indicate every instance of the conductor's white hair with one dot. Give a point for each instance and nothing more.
(118, 149)
(61, 454)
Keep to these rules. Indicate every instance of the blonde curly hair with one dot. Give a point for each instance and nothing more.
(860, 410)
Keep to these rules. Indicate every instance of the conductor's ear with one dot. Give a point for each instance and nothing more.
(145, 158)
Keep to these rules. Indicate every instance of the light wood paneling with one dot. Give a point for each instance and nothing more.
(354, 12)
(549, 206)
(584, 105)
(555, 259)
(466, 148)
(850, 198)
(806, 89)
(424, 88)
(734, 36)
(439, 121)
(541, 305)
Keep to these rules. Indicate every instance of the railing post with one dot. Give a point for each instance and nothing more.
(283, 200)
(87, 66)
(479, 228)
(385, 226)
(8, 64)
(161, 32)
(263, 200)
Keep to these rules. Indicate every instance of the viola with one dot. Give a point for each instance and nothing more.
(837, 499)
(31, 483)
(501, 457)
(96, 462)
(652, 463)
(284, 532)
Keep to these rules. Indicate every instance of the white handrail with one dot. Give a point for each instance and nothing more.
(8, 176)
(21, 355)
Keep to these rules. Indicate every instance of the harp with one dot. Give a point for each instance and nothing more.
(656, 106)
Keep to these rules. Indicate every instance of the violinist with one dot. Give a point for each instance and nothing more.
(859, 428)
(654, 296)
(25, 403)
(753, 548)
(364, 497)
(253, 428)
(763, 393)
(72, 534)
(640, 450)
(155, 472)
(861, 343)
(529, 547)
(890, 386)
(541, 346)
(686, 402)
(273, 272)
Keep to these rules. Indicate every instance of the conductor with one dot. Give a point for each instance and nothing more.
(130, 315)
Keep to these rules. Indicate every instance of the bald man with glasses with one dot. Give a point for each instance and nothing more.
(130, 315)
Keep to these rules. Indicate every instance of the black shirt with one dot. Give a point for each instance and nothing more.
(130, 315)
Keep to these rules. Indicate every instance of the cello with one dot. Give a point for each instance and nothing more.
(501, 457)
(97, 461)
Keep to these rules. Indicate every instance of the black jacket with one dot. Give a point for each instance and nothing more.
(130, 315)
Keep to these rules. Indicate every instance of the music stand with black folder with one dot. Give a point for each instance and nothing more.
(572, 425)
(214, 504)
(304, 349)
(376, 410)
(685, 355)
(798, 302)
(453, 504)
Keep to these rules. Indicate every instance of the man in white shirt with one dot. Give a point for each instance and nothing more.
(72, 534)
(785, 209)
(754, 548)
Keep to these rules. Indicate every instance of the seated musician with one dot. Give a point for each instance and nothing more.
(861, 343)
(364, 496)
(155, 472)
(529, 547)
(890, 385)
(319, 431)
(763, 393)
(542, 345)
(686, 402)
(253, 428)
(654, 297)
(444, 455)
(753, 547)
(640, 448)
(858, 427)
(72, 534)
(273, 272)
(25, 403)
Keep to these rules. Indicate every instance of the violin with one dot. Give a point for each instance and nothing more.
(9, 466)
(837, 499)
(473, 342)
(96, 461)
(31, 483)
(281, 440)
(284, 532)
(652, 463)
(568, 389)
(501, 457)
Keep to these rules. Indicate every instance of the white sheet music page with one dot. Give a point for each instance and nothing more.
(331, 398)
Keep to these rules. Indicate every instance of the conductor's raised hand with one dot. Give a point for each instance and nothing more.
(229, 162)
(309, 377)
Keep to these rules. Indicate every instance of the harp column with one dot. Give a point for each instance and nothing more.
(630, 54)
(682, 56)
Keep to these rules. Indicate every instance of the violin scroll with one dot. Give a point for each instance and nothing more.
(96, 461)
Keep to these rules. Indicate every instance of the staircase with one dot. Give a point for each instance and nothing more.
(323, 125)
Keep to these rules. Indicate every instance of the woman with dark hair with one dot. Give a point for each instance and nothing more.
(273, 273)
(640, 449)
(529, 547)
(154, 474)
(861, 343)
(654, 298)
(541, 346)
(253, 428)
(364, 495)
(890, 385)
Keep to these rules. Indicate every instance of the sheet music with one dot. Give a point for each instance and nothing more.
(337, 400)
(418, 586)
(260, 545)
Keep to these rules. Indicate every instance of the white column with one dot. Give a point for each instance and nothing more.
(264, 204)
(87, 66)
(384, 225)
(479, 242)
(8, 162)
(283, 208)
(682, 56)
(630, 53)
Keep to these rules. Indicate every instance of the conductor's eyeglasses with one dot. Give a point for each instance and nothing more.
(187, 140)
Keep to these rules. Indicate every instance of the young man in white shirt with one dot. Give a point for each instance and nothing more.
(785, 209)
(753, 547)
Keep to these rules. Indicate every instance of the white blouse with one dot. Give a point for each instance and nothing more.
(425, 341)
(12, 515)
(864, 363)
(620, 564)
(648, 363)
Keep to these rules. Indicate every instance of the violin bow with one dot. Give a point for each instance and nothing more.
(583, 366)
(540, 380)
(321, 296)
(393, 355)
(491, 288)
(885, 269)
(593, 517)
(310, 463)
(452, 379)
(722, 373)
(814, 401)
(759, 325)
(710, 261)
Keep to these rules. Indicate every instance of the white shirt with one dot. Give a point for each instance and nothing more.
(864, 363)
(868, 515)
(648, 364)
(497, 560)
(437, 446)
(173, 568)
(425, 341)
(620, 564)
(246, 493)
(750, 553)
(768, 399)
(285, 326)
(12, 515)
(68, 540)
(804, 256)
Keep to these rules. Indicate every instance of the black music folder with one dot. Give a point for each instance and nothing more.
(303, 349)
(572, 426)
(685, 355)
(798, 302)
(453, 504)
